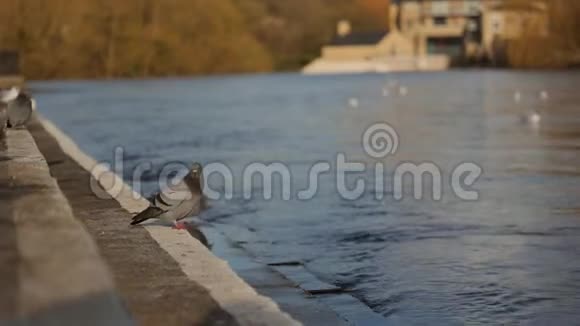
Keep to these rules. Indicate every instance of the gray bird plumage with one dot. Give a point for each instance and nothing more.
(183, 200)
(20, 110)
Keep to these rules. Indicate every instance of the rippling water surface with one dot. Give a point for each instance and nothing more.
(511, 257)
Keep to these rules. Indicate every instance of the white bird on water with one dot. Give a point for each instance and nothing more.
(386, 92)
(403, 91)
(533, 119)
(354, 102)
(184, 200)
(517, 96)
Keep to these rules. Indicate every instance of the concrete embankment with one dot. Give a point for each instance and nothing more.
(201, 266)
(50, 267)
(68, 257)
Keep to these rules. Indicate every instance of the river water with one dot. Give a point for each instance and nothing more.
(510, 257)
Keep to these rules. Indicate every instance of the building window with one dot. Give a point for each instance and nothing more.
(439, 21)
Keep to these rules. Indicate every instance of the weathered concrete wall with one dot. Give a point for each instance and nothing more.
(180, 269)
(50, 268)
(150, 282)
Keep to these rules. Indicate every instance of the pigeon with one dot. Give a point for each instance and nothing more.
(386, 92)
(403, 91)
(353, 102)
(20, 110)
(533, 119)
(183, 200)
(392, 83)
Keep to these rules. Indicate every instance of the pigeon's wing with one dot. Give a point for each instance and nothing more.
(149, 213)
(170, 198)
(158, 207)
(179, 202)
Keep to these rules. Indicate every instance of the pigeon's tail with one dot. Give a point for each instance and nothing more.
(149, 213)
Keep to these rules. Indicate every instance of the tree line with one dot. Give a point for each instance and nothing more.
(561, 49)
(142, 38)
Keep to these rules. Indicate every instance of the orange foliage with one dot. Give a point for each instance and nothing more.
(379, 9)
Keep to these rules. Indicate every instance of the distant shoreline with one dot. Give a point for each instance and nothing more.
(227, 75)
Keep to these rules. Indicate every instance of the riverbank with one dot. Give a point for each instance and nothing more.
(69, 256)
(415, 260)
(291, 287)
(50, 267)
(163, 275)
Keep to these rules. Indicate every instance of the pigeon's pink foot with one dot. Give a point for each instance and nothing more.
(179, 226)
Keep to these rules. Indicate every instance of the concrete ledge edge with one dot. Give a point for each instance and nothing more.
(196, 261)
(59, 263)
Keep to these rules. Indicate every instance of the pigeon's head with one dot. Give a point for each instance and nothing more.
(196, 171)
